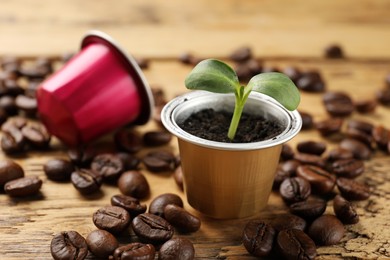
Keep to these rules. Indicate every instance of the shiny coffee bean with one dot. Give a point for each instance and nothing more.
(127, 141)
(68, 245)
(152, 229)
(159, 203)
(159, 161)
(349, 168)
(22, 187)
(312, 159)
(294, 189)
(109, 166)
(365, 106)
(241, 54)
(134, 184)
(311, 81)
(326, 230)
(338, 103)
(360, 150)
(58, 169)
(9, 170)
(339, 154)
(178, 177)
(135, 251)
(86, 181)
(14, 122)
(36, 135)
(7, 103)
(288, 221)
(130, 161)
(13, 87)
(101, 243)
(334, 51)
(311, 147)
(132, 205)
(344, 210)
(111, 218)
(295, 244)
(258, 238)
(177, 248)
(290, 166)
(181, 219)
(280, 176)
(321, 181)
(12, 141)
(329, 127)
(381, 136)
(287, 152)
(157, 138)
(360, 125)
(307, 120)
(352, 190)
(309, 209)
(27, 104)
(359, 135)
(81, 156)
(383, 96)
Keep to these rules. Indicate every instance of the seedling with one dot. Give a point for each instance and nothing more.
(216, 76)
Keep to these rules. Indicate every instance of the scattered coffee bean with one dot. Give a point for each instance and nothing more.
(159, 203)
(258, 238)
(339, 154)
(288, 221)
(159, 161)
(81, 156)
(309, 209)
(360, 125)
(151, 228)
(109, 166)
(241, 54)
(101, 243)
(178, 177)
(293, 73)
(365, 106)
(22, 187)
(134, 184)
(311, 81)
(344, 210)
(307, 120)
(9, 170)
(181, 219)
(7, 103)
(130, 161)
(86, 181)
(311, 147)
(360, 136)
(326, 230)
(381, 136)
(321, 181)
(294, 189)
(12, 141)
(289, 166)
(188, 58)
(177, 248)
(338, 104)
(3, 116)
(352, 190)
(58, 169)
(383, 96)
(135, 251)
(360, 150)
(68, 245)
(36, 135)
(111, 218)
(127, 141)
(312, 159)
(349, 168)
(27, 104)
(132, 205)
(157, 138)
(13, 87)
(295, 244)
(334, 51)
(287, 152)
(280, 176)
(329, 127)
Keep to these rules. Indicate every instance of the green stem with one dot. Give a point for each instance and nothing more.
(236, 118)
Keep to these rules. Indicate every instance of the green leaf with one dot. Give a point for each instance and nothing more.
(278, 86)
(214, 76)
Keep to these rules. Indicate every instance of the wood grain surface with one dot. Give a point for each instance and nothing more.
(281, 34)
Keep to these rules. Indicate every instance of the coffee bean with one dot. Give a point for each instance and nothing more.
(68, 245)
(159, 203)
(326, 230)
(135, 251)
(349, 168)
(309, 209)
(312, 159)
(344, 210)
(360, 136)
(81, 156)
(307, 120)
(247, 69)
(311, 147)
(86, 181)
(360, 125)
(295, 244)
(352, 190)
(58, 169)
(12, 141)
(311, 81)
(9, 170)
(360, 150)
(130, 161)
(25, 186)
(334, 51)
(7, 103)
(9, 61)
(321, 181)
(36, 135)
(178, 177)
(151, 228)
(132, 205)
(27, 104)
(288, 221)
(294, 189)
(177, 248)
(188, 58)
(339, 154)
(329, 127)
(338, 104)
(157, 138)
(134, 184)
(280, 176)
(101, 243)
(143, 63)
(158, 96)
(109, 166)
(293, 73)
(111, 218)
(365, 106)
(181, 219)
(381, 136)
(289, 166)
(159, 161)
(258, 237)
(241, 54)
(33, 73)
(383, 96)
(287, 152)
(13, 87)
(14, 122)
(127, 141)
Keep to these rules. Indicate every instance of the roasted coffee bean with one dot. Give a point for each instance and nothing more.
(334, 51)
(287, 152)
(258, 237)
(241, 54)
(181, 219)
(312, 159)
(157, 138)
(108, 165)
(81, 156)
(326, 230)
(132, 205)
(12, 141)
(33, 73)
(352, 190)
(58, 169)
(360, 136)
(344, 210)
(151, 228)
(130, 161)
(361, 126)
(158, 96)
(178, 177)
(365, 106)
(381, 136)
(338, 104)
(25, 186)
(293, 73)
(247, 69)
(339, 154)
(177, 248)
(101, 243)
(9, 170)
(159, 161)
(7, 103)
(307, 120)
(86, 181)
(383, 96)
(349, 168)
(9, 61)
(13, 88)
(111, 218)
(329, 127)
(68, 245)
(159, 203)
(127, 141)
(134, 184)
(27, 104)
(295, 244)
(360, 150)
(294, 189)
(321, 181)
(189, 58)
(311, 81)
(289, 166)
(280, 176)
(309, 209)
(288, 221)
(36, 135)
(135, 251)
(311, 147)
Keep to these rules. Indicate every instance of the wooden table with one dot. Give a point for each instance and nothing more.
(281, 33)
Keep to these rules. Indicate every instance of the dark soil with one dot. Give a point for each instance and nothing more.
(214, 125)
